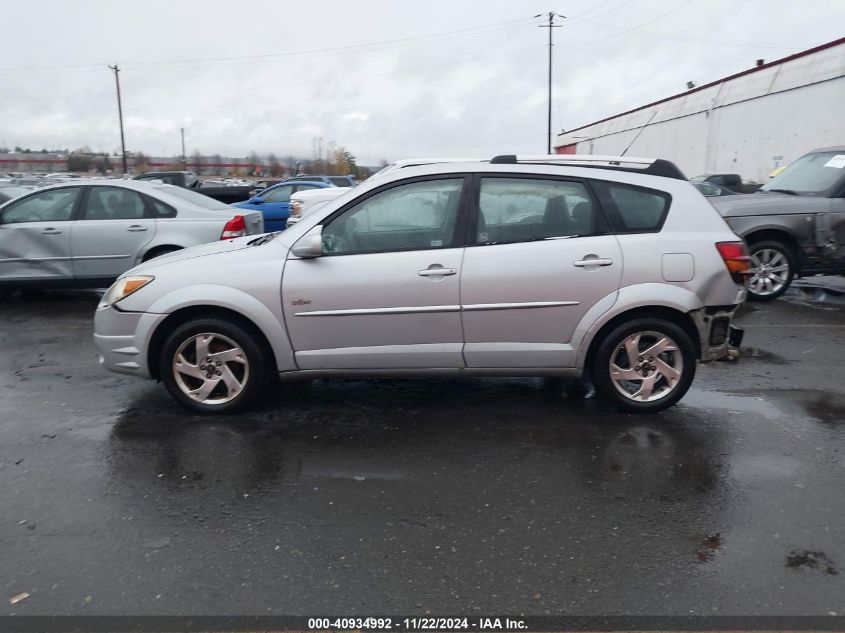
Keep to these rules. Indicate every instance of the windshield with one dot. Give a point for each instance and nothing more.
(193, 197)
(810, 175)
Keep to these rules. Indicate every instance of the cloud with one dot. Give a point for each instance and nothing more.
(464, 93)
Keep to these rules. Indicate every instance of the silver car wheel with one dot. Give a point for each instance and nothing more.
(210, 368)
(646, 367)
(770, 271)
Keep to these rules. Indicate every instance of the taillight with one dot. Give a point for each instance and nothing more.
(735, 256)
(236, 227)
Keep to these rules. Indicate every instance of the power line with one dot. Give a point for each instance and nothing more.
(578, 16)
(400, 71)
(641, 24)
(340, 49)
(661, 36)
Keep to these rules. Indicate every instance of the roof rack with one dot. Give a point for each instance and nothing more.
(650, 166)
(414, 162)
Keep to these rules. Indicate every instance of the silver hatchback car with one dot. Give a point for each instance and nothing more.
(613, 268)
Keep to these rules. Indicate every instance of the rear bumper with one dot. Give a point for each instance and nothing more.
(716, 331)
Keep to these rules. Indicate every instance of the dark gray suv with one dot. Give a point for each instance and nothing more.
(795, 224)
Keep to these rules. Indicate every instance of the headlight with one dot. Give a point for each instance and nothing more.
(295, 208)
(122, 288)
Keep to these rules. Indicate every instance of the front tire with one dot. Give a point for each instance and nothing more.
(644, 366)
(213, 365)
(772, 268)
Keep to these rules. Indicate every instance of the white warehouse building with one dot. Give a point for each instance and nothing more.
(749, 123)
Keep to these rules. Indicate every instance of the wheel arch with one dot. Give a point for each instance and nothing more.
(158, 249)
(671, 314)
(189, 313)
(778, 235)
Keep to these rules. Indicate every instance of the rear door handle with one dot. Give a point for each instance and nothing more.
(598, 261)
(432, 272)
(51, 231)
(136, 228)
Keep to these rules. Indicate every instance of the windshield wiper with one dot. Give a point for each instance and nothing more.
(258, 241)
(789, 191)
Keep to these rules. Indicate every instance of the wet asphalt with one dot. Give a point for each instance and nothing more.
(425, 496)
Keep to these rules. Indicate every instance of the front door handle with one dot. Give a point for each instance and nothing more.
(51, 231)
(136, 228)
(438, 271)
(596, 261)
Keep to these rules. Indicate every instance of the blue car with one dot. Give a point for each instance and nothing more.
(274, 202)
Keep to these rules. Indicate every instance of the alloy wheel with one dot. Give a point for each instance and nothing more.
(646, 367)
(769, 272)
(210, 368)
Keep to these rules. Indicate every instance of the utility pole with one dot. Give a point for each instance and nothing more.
(116, 70)
(551, 25)
(184, 163)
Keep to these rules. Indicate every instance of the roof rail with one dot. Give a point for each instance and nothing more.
(650, 166)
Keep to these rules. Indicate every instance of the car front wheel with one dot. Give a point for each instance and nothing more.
(213, 365)
(772, 270)
(645, 365)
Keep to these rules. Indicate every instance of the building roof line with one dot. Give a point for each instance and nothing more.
(747, 71)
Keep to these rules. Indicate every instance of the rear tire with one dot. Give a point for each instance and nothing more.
(773, 268)
(214, 365)
(644, 366)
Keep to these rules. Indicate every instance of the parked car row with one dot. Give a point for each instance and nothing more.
(89, 233)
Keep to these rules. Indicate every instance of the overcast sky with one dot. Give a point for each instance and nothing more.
(385, 79)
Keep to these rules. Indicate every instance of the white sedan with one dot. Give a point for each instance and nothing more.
(86, 234)
(309, 200)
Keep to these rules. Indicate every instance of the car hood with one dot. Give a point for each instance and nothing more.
(758, 204)
(203, 250)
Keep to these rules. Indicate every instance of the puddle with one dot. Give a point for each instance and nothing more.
(762, 355)
(789, 404)
(806, 559)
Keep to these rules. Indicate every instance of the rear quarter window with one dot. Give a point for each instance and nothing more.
(633, 209)
(160, 209)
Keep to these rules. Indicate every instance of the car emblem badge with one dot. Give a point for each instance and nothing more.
(300, 302)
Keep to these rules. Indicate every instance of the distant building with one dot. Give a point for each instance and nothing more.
(32, 161)
(749, 123)
(29, 162)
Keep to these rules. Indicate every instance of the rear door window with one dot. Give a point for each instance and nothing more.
(114, 203)
(279, 194)
(529, 209)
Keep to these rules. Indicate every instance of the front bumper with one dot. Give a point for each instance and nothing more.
(122, 339)
(719, 337)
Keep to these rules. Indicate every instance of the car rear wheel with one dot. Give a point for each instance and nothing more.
(213, 365)
(772, 270)
(645, 365)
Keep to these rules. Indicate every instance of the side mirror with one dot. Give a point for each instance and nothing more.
(257, 200)
(309, 245)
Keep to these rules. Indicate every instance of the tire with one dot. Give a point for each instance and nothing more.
(242, 372)
(161, 251)
(651, 373)
(773, 265)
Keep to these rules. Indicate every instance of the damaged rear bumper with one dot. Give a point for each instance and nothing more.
(719, 337)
